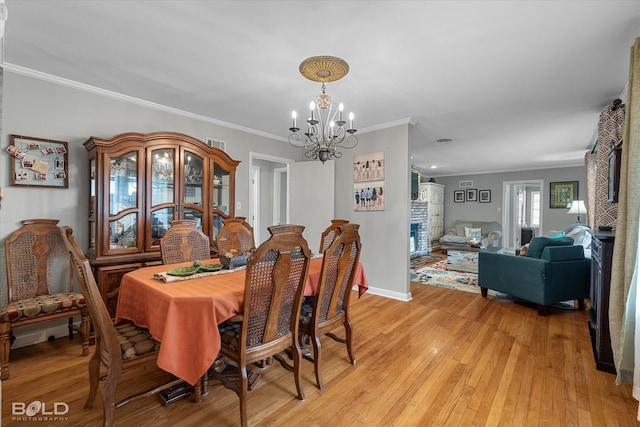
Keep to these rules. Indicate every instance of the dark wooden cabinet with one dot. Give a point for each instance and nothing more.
(601, 258)
(139, 183)
(526, 234)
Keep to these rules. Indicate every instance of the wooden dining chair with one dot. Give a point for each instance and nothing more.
(118, 347)
(276, 274)
(330, 233)
(330, 306)
(235, 237)
(184, 242)
(39, 283)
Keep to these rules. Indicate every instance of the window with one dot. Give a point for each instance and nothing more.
(535, 209)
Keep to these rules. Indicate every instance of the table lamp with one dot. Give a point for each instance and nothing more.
(578, 208)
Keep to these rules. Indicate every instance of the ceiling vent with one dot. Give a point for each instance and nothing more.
(216, 143)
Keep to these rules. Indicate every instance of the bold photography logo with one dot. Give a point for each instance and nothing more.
(39, 410)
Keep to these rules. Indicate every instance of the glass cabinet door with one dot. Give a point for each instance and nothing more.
(221, 197)
(123, 187)
(193, 194)
(162, 201)
(93, 207)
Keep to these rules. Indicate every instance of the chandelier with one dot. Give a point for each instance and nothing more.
(326, 131)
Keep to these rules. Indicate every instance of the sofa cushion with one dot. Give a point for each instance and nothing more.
(537, 245)
(562, 253)
(460, 226)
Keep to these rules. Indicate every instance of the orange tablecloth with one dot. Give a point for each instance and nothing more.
(184, 315)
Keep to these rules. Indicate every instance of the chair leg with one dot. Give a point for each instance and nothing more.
(349, 332)
(85, 330)
(243, 394)
(5, 348)
(94, 378)
(543, 310)
(109, 398)
(483, 291)
(297, 361)
(70, 326)
(317, 349)
(581, 304)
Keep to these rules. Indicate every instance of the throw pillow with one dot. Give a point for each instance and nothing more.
(557, 235)
(537, 245)
(523, 250)
(473, 232)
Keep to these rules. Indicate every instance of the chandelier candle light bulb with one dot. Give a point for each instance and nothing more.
(324, 134)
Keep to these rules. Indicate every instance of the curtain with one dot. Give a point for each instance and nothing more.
(590, 168)
(622, 303)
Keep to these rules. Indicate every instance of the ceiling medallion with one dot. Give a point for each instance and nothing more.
(324, 68)
(326, 130)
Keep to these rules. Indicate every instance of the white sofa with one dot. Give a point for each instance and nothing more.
(457, 238)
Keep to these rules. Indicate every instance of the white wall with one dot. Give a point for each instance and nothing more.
(384, 234)
(553, 219)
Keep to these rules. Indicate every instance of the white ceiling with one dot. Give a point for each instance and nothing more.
(516, 84)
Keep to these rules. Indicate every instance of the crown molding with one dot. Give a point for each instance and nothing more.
(115, 95)
(405, 121)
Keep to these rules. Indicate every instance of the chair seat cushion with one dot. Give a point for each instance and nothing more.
(230, 334)
(135, 341)
(41, 306)
(306, 314)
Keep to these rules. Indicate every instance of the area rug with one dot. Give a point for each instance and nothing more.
(424, 260)
(437, 275)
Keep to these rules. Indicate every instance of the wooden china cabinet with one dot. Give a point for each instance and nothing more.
(139, 184)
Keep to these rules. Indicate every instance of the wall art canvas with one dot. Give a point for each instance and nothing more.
(368, 196)
(368, 167)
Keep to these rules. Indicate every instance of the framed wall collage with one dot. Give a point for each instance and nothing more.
(38, 162)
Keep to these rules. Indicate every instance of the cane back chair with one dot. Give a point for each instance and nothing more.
(118, 347)
(330, 307)
(235, 237)
(184, 242)
(276, 274)
(40, 288)
(330, 233)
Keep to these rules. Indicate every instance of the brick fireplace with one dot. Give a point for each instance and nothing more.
(419, 238)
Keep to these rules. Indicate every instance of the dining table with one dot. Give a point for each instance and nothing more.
(183, 313)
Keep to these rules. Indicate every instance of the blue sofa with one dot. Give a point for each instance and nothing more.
(552, 271)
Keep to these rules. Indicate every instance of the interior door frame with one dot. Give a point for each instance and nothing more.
(277, 194)
(252, 189)
(509, 225)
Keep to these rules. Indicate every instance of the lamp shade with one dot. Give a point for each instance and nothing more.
(578, 208)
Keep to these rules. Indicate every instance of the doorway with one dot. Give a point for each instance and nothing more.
(268, 187)
(521, 208)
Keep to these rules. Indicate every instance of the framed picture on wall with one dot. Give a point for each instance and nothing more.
(458, 196)
(562, 193)
(485, 196)
(472, 195)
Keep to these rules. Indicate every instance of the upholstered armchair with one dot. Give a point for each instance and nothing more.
(552, 271)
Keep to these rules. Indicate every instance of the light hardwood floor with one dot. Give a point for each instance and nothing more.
(445, 358)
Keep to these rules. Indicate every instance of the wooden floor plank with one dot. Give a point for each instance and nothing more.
(446, 358)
